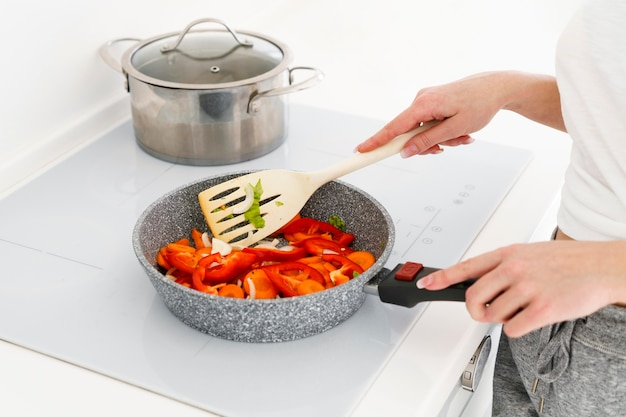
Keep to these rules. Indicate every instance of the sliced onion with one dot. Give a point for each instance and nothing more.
(220, 246)
(252, 288)
(329, 252)
(170, 274)
(206, 240)
(247, 202)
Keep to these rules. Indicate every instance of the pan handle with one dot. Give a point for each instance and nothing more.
(107, 56)
(401, 289)
(253, 105)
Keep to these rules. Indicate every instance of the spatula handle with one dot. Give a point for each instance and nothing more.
(364, 159)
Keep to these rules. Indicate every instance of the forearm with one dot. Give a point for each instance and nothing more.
(614, 259)
(534, 96)
(467, 105)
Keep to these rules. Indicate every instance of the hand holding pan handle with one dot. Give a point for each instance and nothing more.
(399, 286)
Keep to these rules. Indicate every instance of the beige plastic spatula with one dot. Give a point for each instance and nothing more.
(284, 194)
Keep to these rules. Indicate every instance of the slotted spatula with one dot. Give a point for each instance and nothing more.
(285, 192)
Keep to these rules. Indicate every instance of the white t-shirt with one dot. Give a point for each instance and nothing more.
(591, 75)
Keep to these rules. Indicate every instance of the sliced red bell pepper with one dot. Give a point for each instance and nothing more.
(280, 231)
(286, 286)
(319, 266)
(297, 238)
(197, 280)
(311, 226)
(180, 277)
(184, 261)
(346, 239)
(345, 265)
(177, 247)
(276, 255)
(207, 261)
(287, 275)
(162, 259)
(196, 235)
(229, 268)
(319, 245)
(184, 280)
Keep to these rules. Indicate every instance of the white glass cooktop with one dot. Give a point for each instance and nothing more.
(72, 288)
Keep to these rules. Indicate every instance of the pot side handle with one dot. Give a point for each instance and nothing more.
(316, 78)
(106, 54)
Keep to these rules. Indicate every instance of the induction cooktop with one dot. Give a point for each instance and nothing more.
(71, 287)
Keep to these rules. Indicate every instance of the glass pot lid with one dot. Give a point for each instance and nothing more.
(206, 59)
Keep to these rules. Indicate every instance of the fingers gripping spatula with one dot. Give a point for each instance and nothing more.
(285, 192)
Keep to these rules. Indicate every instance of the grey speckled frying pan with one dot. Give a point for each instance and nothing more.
(176, 213)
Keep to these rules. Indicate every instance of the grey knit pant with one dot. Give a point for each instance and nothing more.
(571, 369)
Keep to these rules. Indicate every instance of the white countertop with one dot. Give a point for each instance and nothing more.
(374, 65)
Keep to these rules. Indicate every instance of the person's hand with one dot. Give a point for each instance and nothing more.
(466, 106)
(528, 286)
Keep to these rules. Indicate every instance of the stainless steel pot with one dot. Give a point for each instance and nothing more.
(208, 97)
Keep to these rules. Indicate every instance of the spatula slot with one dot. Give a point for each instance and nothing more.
(238, 233)
(225, 193)
(269, 199)
(235, 226)
(242, 236)
(227, 216)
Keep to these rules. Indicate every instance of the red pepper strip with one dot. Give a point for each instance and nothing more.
(318, 266)
(286, 286)
(346, 239)
(162, 259)
(276, 255)
(319, 245)
(311, 226)
(292, 269)
(206, 261)
(184, 242)
(184, 280)
(297, 238)
(231, 266)
(346, 266)
(180, 277)
(280, 231)
(197, 281)
(184, 261)
(179, 247)
(196, 235)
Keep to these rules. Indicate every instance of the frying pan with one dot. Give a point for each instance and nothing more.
(172, 217)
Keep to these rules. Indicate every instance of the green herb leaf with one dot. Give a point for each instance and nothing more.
(253, 214)
(337, 222)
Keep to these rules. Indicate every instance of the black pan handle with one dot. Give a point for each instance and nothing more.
(399, 286)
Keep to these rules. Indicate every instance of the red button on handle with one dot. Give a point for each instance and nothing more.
(408, 271)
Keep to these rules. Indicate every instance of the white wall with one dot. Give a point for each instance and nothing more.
(54, 80)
